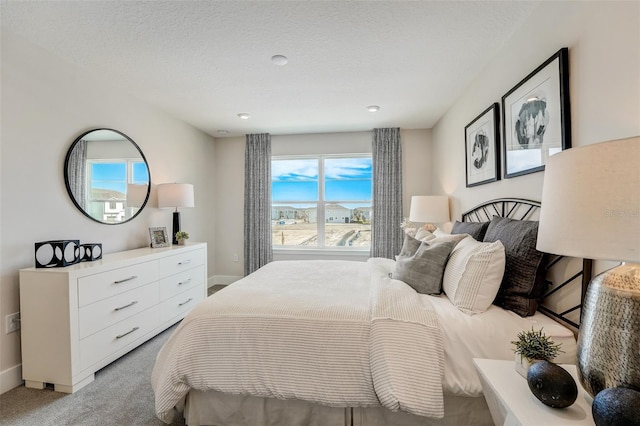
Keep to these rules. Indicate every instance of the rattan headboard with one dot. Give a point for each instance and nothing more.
(563, 298)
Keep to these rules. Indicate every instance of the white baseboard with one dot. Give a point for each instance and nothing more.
(10, 378)
(222, 280)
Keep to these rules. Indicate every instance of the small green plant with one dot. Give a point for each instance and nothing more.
(182, 235)
(536, 345)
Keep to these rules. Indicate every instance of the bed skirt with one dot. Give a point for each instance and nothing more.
(213, 408)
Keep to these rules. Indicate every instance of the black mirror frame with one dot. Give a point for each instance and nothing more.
(66, 176)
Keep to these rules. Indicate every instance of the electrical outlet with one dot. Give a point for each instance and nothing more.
(13, 322)
(235, 257)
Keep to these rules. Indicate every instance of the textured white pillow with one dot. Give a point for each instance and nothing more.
(473, 274)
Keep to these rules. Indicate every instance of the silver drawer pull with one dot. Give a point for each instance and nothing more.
(184, 282)
(128, 332)
(132, 277)
(125, 306)
(186, 301)
(185, 262)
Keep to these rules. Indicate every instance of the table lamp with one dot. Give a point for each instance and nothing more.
(429, 209)
(174, 195)
(137, 194)
(591, 209)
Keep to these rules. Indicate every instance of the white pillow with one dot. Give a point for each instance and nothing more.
(473, 274)
(440, 233)
(424, 235)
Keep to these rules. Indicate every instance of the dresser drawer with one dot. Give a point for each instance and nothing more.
(104, 343)
(174, 284)
(100, 286)
(102, 314)
(181, 262)
(182, 303)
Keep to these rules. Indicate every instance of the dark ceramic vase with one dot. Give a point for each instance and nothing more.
(552, 384)
(616, 407)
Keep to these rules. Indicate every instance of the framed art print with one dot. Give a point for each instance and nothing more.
(482, 139)
(159, 237)
(537, 117)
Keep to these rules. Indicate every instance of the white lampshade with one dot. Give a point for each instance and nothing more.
(591, 202)
(174, 195)
(136, 194)
(429, 209)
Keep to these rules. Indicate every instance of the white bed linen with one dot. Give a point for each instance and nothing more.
(219, 409)
(338, 338)
(487, 335)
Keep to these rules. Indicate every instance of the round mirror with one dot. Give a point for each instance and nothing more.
(107, 176)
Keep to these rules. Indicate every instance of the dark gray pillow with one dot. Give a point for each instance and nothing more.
(475, 229)
(423, 270)
(523, 282)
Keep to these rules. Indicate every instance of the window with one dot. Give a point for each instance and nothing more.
(321, 201)
(108, 181)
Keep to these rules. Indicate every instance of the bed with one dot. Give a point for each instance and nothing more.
(362, 343)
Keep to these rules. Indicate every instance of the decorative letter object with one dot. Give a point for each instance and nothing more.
(56, 254)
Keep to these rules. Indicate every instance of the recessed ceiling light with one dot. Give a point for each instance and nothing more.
(373, 108)
(244, 115)
(223, 132)
(279, 60)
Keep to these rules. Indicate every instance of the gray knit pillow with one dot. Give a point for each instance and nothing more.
(424, 269)
(523, 282)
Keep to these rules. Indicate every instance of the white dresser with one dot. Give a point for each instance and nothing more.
(77, 319)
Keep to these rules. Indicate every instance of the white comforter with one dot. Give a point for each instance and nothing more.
(337, 333)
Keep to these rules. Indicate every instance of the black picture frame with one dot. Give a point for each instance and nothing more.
(159, 237)
(482, 147)
(536, 117)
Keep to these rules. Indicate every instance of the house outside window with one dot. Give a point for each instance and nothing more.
(321, 201)
(108, 181)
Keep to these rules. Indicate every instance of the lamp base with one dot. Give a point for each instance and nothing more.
(176, 226)
(609, 336)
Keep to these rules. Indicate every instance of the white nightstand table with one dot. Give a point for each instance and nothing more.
(511, 402)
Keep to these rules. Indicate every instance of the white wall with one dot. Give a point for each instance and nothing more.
(229, 189)
(604, 62)
(46, 104)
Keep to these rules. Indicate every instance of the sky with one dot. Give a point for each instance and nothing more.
(346, 179)
(113, 176)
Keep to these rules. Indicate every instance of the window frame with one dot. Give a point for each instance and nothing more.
(129, 163)
(321, 203)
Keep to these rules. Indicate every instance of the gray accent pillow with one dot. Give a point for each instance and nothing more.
(476, 229)
(409, 246)
(523, 282)
(424, 269)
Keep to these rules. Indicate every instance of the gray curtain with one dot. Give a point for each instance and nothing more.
(386, 234)
(77, 172)
(257, 202)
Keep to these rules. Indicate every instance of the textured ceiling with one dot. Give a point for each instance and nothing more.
(206, 61)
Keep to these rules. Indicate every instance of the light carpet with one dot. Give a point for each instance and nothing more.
(120, 395)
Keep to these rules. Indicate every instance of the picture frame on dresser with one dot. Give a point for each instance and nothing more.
(482, 147)
(536, 117)
(159, 237)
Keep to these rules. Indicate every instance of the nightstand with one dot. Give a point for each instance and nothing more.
(511, 402)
